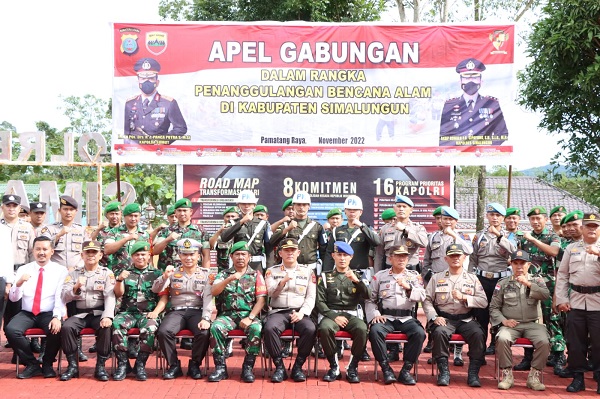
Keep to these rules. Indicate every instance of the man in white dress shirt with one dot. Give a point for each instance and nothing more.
(39, 285)
(7, 273)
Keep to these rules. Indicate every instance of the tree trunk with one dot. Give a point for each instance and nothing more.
(417, 9)
(401, 10)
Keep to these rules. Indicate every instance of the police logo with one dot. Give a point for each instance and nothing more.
(592, 217)
(129, 44)
(11, 198)
(39, 205)
(498, 38)
(470, 65)
(519, 253)
(156, 42)
(63, 201)
(187, 244)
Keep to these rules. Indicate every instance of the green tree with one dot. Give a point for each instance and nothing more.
(563, 80)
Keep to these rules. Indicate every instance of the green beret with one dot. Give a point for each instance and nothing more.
(183, 203)
(538, 210)
(229, 210)
(239, 246)
(260, 208)
(139, 246)
(558, 208)
(513, 211)
(288, 202)
(571, 216)
(333, 212)
(170, 210)
(112, 206)
(437, 211)
(132, 208)
(388, 214)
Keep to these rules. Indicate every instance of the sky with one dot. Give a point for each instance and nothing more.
(64, 48)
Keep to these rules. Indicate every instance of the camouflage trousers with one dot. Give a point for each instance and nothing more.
(227, 322)
(124, 321)
(554, 322)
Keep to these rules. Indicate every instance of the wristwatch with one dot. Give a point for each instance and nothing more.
(206, 318)
(251, 317)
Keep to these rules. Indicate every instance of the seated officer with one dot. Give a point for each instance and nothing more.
(91, 287)
(338, 294)
(140, 308)
(394, 293)
(292, 288)
(450, 299)
(239, 294)
(515, 305)
(188, 289)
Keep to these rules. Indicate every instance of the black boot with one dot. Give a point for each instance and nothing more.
(35, 345)
(388, 373)
(100, 371)
(525, 364)
(565, 372)
(393, 352)
(194, 370)
(352, 370)
(551, 359)
(365, 356)
(72, 369)
(473, 373)
(578, 383)
(173, 371)
(297, 373)
(560, 361)
(443, 378)
(490, 350)
(334, 370)
(140, 366)
(320, 353)
(93, 348)
(132, 348)
(429, 345)
(286, 350)
(405, 376)
(42, 351)
(229, 347)
(82, 356)
(186, 343)
(279, 375)
(220, 372)
(122, 366)
(247, 367)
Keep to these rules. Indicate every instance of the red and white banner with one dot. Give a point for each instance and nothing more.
(319, 94)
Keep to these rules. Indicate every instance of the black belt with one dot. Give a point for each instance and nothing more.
(186, 307)
(397, 312)
(493, 275)
(455, 317)
(585, 290)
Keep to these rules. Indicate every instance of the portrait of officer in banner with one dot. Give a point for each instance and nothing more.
(472, 119)
(150, 117)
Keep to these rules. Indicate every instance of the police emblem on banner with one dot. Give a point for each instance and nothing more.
(498, 38)
(156, 42)
(129, 37)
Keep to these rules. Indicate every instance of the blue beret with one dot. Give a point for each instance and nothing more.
(496, 207)
(342, 247)
(404, 199)
(447, 211)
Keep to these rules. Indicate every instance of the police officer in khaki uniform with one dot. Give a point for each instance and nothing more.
(91, 288)
(188, 288)
(338, 294)
(489, 261)
(578, 293)
(515, 305)
(450, 299)
(38, 216)
(404, 232)
(67, 235)
(394, 293)
(292, 290)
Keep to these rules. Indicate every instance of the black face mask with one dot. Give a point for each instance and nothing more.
(148, 87)
(470, 87)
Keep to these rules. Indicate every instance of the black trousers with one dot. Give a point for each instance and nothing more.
(175, 321)
(278, 322)
(72, 327)
(471, 332)
(581, 326)
(412, 328)
(15, 333)
(483, 315)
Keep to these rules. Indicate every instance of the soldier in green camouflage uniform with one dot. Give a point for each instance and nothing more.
(112, 212)
(140, 307)
(239, 293)
(544, 245)
(121, 238)
(222, 248)
(165, 245)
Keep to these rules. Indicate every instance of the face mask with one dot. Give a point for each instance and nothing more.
(470, 88)
(148, 87)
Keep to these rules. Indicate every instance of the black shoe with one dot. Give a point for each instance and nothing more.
(405, 376)
(459, 362)
(473, 374)
(35, 345)
(186, 343)
(490, 350)
(100, 373)
(229, 348)
(7, 345)
(122, 366)
(525, 364)
(82, 356)
(334, 370)
(365, 356)
(287, 350)
(248, 367)
(428, 347)
(48, 371)
(443, 378)
(596, 376)
(388, 373)
(92, 349)
(220, 372)
(560, 361)
(140, 366)
(72, 369)
(551, 362)
(132, 350)
(565, 372)
(320, 353)
(279, 375)
(173, 371)
(393, 353)
(430, 361)
(352, 375)
(340, 350)
(578, 384)
(194, 370)
(30, 371)
(297, 373)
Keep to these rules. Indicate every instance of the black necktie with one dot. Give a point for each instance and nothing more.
(146, 102)
(470, 105)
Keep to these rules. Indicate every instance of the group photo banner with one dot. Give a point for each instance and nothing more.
(212, 189)
(317, 94)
